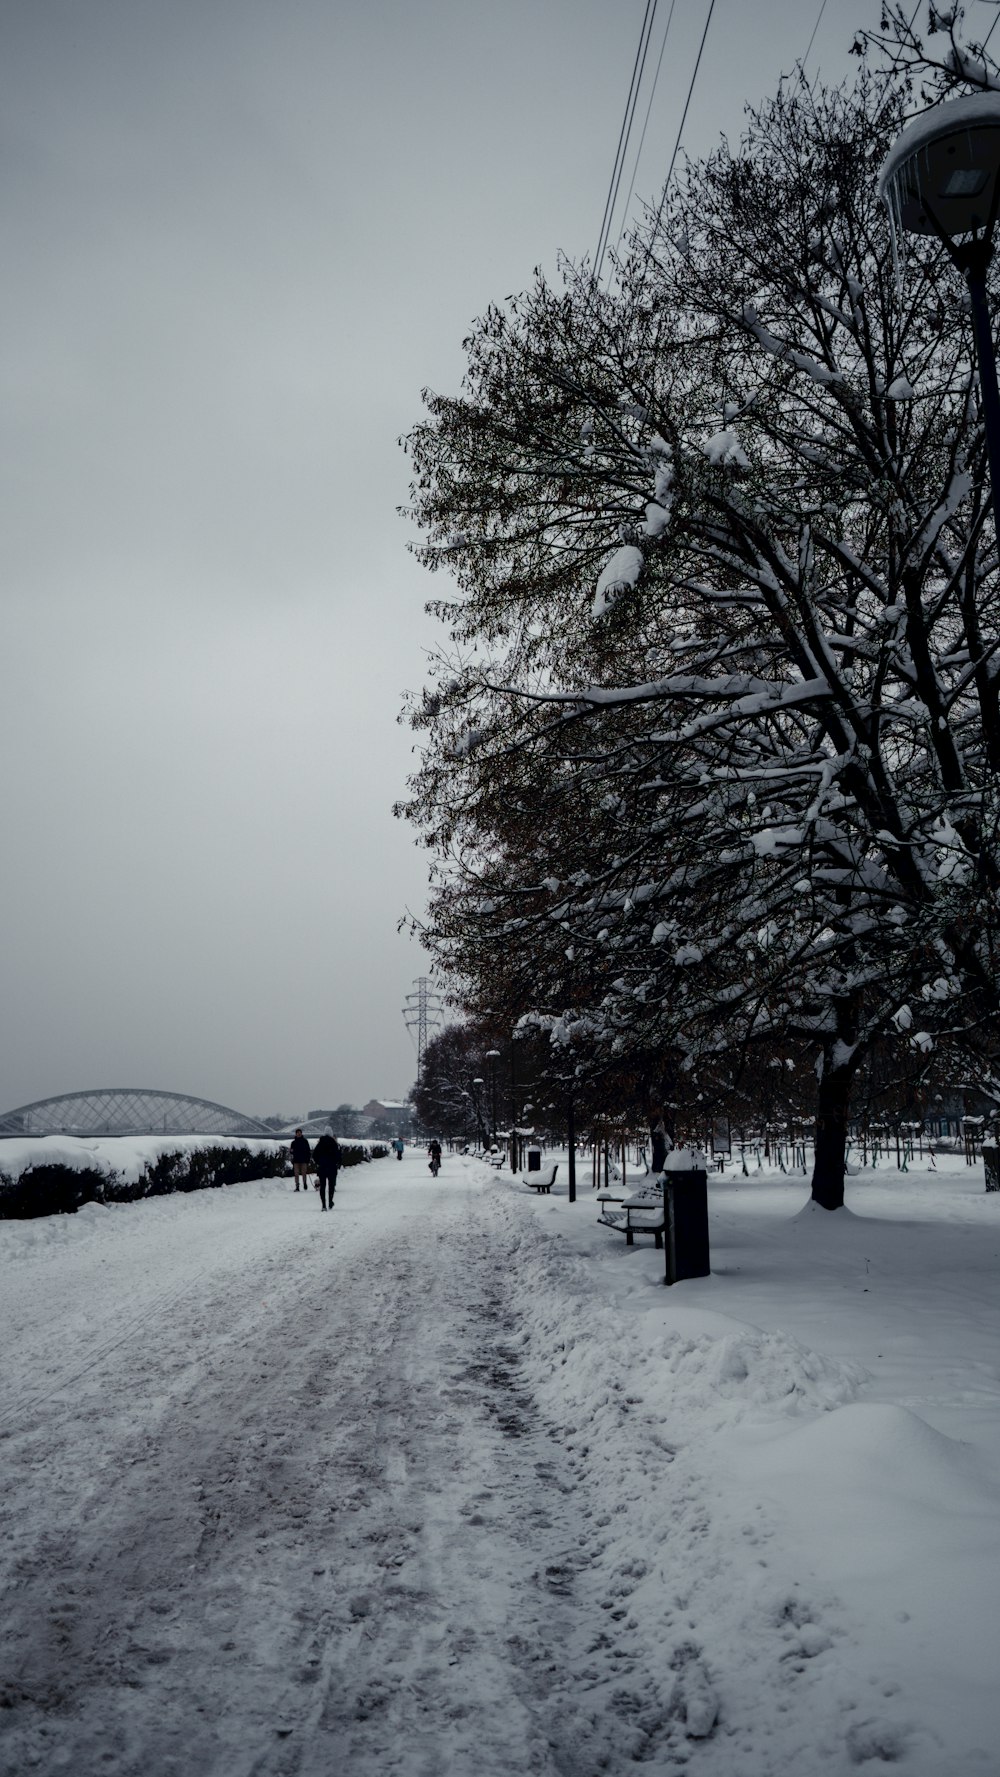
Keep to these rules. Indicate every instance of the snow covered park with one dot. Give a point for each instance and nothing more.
(448, 1482)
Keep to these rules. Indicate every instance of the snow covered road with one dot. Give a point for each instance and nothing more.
(445, 1484)
(278, 1499)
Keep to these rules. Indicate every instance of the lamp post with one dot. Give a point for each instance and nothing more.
(515, 1140)
(493, 1056)
(941, 178)
(477, 1101)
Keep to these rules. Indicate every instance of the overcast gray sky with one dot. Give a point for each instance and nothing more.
(239, 237)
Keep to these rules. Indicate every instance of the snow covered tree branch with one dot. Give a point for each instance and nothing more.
(710, 763)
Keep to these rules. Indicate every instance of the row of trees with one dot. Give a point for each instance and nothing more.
(710, 758)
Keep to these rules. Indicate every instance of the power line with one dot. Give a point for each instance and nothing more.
(687, 101)
(638, 69)
(680, 132)
(645, 123)
(815, 28)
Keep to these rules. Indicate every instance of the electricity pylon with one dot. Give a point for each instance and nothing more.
(423, 1013)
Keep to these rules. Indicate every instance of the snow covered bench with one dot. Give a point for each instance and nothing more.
(606, 1197)
(641, 1214)
(543, 1180)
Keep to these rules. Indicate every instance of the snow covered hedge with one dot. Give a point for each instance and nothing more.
(55, 1175)
(352, 1153)
(59, 1187)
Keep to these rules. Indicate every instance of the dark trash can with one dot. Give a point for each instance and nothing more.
(534, 1159)
(685, 1231)
(991, 1161)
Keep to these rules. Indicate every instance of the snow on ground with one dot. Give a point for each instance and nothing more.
(448, 1482)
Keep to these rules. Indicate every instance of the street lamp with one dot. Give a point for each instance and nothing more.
(941, 177)
(493, 1056)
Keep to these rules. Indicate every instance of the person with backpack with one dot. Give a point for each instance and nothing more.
(301, 1156)
(327, 1158)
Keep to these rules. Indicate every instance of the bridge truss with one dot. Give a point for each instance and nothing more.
(128, 1110)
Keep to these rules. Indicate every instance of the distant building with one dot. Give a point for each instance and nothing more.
(389, 1116)
(348, 1120)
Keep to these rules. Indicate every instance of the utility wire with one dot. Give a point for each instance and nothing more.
(625, 132)
(680, 132)
(812, 39)
(645, 123)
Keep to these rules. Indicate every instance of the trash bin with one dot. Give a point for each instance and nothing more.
(685, 1230)
(534, 1159)
(991, 1161)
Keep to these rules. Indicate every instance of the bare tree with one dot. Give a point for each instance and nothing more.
(718, 723)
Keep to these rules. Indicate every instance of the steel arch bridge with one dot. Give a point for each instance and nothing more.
(128, 1110)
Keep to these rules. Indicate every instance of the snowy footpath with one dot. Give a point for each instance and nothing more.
(446, 1481)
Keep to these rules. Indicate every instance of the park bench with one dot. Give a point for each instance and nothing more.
(617, 1191)
(543, 1180)
(641, 1214)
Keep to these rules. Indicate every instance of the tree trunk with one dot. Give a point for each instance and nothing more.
(831, 1135)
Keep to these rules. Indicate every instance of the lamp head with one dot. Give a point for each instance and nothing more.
(940, 175)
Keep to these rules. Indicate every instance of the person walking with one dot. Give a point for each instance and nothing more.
(398, 1145)
(327, 1157)
(301, 1156)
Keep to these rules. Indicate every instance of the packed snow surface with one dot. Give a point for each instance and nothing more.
(446, 1481)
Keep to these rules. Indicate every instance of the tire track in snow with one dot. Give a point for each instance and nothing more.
(17, 1407)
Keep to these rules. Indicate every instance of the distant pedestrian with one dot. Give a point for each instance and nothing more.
(327, 1157)
(301, 1156)
(398, 1145)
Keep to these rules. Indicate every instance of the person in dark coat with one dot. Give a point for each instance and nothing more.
(327, 1158)
(301, 1156)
